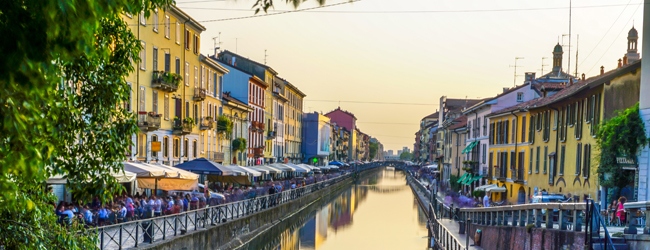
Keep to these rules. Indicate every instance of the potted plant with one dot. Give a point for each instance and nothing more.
(224, 125)
(208, 118)
(239, 144)
(188, 120)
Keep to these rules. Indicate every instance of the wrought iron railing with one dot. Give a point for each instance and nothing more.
(181, 127)
(134, 233)
(165, 81)
(148, 121)
(206, 123)
(199, 94)
(594, 220)
(215, 156)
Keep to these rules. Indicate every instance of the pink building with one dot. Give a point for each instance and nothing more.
(348, 121)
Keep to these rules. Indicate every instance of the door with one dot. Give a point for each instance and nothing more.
(521, 196)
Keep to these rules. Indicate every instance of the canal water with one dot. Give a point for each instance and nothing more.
(379, 211)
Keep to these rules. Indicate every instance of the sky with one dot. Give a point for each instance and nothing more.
(390, 61)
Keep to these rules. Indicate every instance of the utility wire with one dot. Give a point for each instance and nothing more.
(619, 34)
(604, 35)
(391, 103)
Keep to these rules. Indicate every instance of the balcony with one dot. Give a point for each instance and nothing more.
(148, 121)
(206, 123)
(181, 127)
(517, 175)
(271, 134)
(258, 152)
(215, 156)
(199, 94)
(257, 126)
(501, 173)
(165, 81)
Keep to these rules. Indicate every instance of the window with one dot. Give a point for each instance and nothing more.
(523, 129)
(530, 167)
(154, 154)
(143, 56)
(141, 97)
(194, 146)
(562, 152)
(545, 157)
(186, 148)
(142, 142)
(155, 20)
(196, 44)
(484, 150)
(491, 165)
(166, 104)
(154, 59)
(167, 27)
(596, 118)
(143, 19)
(578, 158)
(154, 101)
(176, 147)
(187, 74)
(513, 160)
(167, 62)
(586, 161)
(506, 132)
(531, 130)
(127, 102)
(187, 109)
(485, 122)
(537, 163)
(520, 96)
(178, 66)
(514, 131)
(556, 120)
(178, 33)
(187, 39)
(165, 146)
(579, 115)
(196, 76)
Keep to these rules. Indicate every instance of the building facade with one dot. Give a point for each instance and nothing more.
(293, 124)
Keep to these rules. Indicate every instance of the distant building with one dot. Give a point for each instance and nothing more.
(317, 138)
(390, 152)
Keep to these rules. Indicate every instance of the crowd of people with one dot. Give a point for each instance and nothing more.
(140, 206)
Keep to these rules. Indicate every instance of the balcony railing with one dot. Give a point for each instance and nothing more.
(258, 152)
(199, 94)
(517, 175)
(165, 81)
(181, 127)
(257, 126)
(271, 134)
(148, 121)
(215, 156)
(206, 123)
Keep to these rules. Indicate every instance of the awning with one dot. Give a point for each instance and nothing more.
(495, 189)
(152, 176)
(473, 179)
(485, 187)
(268, 168)
(309, 166)
(244, 170)
(203, 166)
(299, 169)
(283, 167)
(241, 180)
(333, 167)
(462, 177)
(469, 147)
(467, 179)
(121, 177)
(434, 166)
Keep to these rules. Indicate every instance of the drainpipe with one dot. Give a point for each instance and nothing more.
(516, 138)
(553, 172)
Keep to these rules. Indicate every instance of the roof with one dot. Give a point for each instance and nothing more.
(211, 62)
(346, 112)
(549, 86)
(462, 121)
(246, 58)
(516, 107)
(570, 90)
(558, 48)
(434, 115)
(633, 33)
(227, 97)
(291, 86)
(191, 20)
(259, 81)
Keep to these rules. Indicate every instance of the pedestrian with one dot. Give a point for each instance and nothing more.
(620, 212)
(486, 199)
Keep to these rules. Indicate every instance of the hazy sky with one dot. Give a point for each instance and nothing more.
(415, 51)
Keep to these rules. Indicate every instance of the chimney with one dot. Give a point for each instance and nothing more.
(602, 70)
(620, 63)
(583, 76)
(505, 89)
(530, 76)
(624, 60)
(570, 81)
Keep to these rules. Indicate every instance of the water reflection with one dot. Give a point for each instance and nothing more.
(378, 212)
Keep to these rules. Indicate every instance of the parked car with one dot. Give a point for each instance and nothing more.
(548, 198)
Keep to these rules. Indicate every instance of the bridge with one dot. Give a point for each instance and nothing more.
(384, 189)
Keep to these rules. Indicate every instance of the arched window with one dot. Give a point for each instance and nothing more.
(176, 147)
(186, 149)
(194, 146)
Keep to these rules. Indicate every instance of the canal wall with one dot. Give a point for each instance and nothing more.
(234, 233)
(527, 238)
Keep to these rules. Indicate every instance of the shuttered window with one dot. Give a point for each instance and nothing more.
(523, 129)
(545, 157)
(154, 102)
(578, 155)
(562, 152)
(537, 163)
(586, 161)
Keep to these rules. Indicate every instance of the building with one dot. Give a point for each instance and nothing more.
(279, 110)
(317, 137)
(293, 124)
(169, 133)
(349, 122)
(238, 112)
(389, 152)
(406, 149)
(257, 101)
(211, 108)
(340, 143)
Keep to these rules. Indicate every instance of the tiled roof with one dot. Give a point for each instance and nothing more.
(462, 121)
(339, 108)
(516, 107)
(434, 115)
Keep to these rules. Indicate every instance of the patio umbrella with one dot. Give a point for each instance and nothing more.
(283, 167)
(157, 176)
(309, 166)
(121, 177)
(268, 168)
(244, 170)
(299, 169)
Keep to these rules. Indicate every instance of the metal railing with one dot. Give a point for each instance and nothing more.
(206, 123)
(594, 220)
(181, 127)
(134, 233)
(199, 94)
(165, 81)
(441, 238)
(148, 121)
(215, 156)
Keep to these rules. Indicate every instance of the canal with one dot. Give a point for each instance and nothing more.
(379, 211)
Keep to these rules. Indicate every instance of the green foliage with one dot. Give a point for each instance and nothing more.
(623, 135)
(239, 144)
(224, 126)
(264, 5)
(373, 147)
(189, 120)
(62, 59)
(406, 156)
(453, 183)
(173, 78)
(478, 193)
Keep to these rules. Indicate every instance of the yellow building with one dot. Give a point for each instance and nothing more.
(293, 124)
(237, 111)
(564, 131)
(268, 115)
(170, 51)
(508, 152)
(212, 78)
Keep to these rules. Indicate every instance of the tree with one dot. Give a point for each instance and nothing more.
(621, 136)
(406, 156)
(62, 59)
(373, 150)
(264, 5)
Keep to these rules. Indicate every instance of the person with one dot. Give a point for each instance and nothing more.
(103, 215)
(612, 211)
(157, 205)
(620, 212)
(486, 199)
(69, 213)
(88, 215)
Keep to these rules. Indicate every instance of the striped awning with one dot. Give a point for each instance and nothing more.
(469, 147)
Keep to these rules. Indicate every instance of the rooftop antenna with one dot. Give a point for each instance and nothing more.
(543, 65)
(568, 70)
(515, 66)
(217, 43)
(577, 47)
(265, 57)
